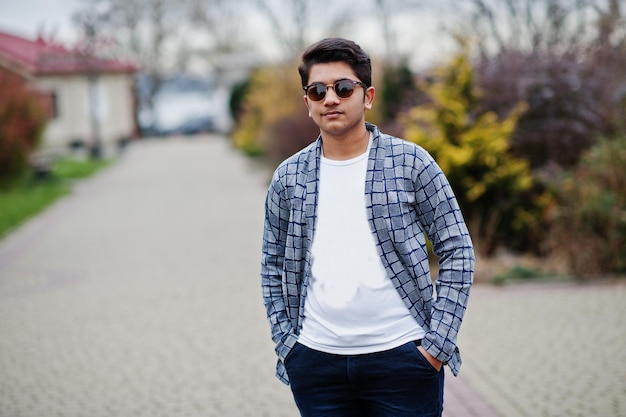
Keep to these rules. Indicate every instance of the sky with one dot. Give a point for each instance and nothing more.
(53, 19)
(28, 18)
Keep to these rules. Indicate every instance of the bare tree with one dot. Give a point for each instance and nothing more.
(222, 20)
(386, 11)
(296, 23)
(289, 22)
(565, 59)
(611, 22)
(560, 26)
(148, 31)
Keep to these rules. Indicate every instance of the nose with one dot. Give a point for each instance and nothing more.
(331, 97)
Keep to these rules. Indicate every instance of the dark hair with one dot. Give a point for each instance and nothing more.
(336, 50)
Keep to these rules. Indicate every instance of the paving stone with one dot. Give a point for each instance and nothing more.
(139, 295)
(553, 350)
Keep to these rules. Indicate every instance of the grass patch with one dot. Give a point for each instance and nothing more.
(75, 169)
(520, 273)
(28, 197)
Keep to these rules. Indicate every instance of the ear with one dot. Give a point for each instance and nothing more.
(306, 102)
(370, 93)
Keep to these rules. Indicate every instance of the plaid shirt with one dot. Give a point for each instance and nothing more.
(406, 195)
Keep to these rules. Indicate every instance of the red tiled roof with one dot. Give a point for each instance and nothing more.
(44, 58)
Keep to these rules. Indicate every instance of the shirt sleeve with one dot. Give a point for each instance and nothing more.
(272, 263)
(444, 225)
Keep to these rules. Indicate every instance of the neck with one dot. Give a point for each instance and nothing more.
(345, 147)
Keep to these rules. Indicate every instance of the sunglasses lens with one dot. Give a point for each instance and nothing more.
(344, 88)
(316, 92)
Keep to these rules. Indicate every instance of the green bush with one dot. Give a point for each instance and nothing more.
(590, 220)
(398, 89)
(237, 97)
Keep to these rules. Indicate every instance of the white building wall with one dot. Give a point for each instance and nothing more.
(113, 110)
(118, 121)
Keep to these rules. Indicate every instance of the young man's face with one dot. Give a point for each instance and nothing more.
(334, 115)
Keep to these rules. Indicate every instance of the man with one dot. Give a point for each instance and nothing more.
(358, 329)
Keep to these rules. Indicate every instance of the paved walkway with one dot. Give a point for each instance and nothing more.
(138, 295)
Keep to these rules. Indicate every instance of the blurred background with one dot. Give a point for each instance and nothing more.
(522, 102)
(138, 294)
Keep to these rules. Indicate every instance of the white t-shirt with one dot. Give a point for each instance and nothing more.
(351, 305)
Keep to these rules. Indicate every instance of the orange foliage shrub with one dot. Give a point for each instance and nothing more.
(23, 117)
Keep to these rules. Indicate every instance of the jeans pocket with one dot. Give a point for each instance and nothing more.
(293, 352)
(423, 359)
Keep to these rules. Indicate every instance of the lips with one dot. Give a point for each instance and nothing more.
(332, 114)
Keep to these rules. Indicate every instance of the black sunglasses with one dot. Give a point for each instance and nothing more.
(343, 89)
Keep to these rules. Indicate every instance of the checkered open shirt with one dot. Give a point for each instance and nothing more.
(406, 195)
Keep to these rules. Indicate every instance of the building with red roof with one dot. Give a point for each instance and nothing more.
(91, 99)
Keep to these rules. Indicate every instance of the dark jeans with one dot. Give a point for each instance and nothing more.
(398, 382)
